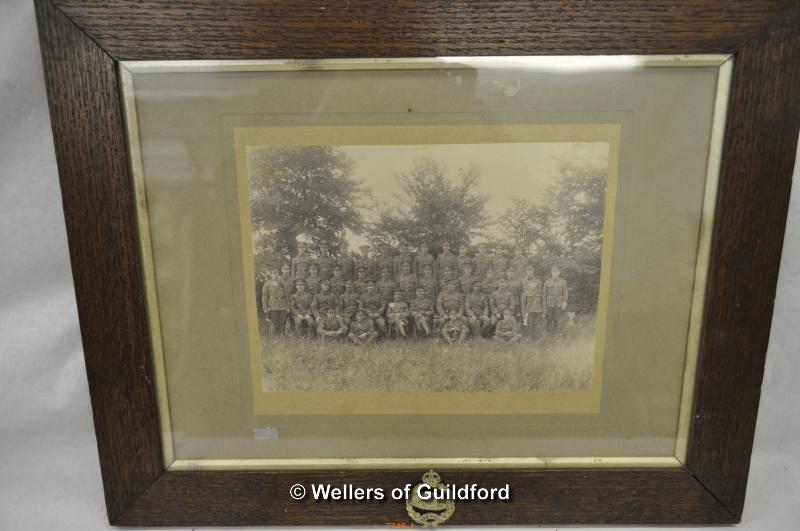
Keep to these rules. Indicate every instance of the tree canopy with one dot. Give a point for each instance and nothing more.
(433, 207)
(304, 190)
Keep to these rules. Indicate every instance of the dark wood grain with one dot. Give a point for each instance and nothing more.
(80, 41)
(97, 195)
(551, 497)
(752, 205)
(281, 29)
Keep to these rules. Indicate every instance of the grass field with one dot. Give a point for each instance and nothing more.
(292, 364)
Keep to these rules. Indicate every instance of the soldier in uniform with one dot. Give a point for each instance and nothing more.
(507, 329)
(337, 282)
(424, 258)
(331, 326)
(490, 283)
(325, 262)
(372, 303)
(407, 282)
(476, 309)
(324, 300)
(301, 307)
(364, 261)
(518, 264)
(360, 285)
(384, 260)
(555, 294)
(404, 256)
(447, 274)
(422, 309)
(449, 301)
(313, 279)
(532, 308)
(468, 279)
(454, 328)
(445, 260)
(463, 259)
(386, 286)
(301, 262)
(499, 260)
(348, 301)
(345, 261)
(483, 261)
(501, 300)
(361, 329)
(514, 283)
(261, 280)
(275, 303)
(428, 281)
(397, 314)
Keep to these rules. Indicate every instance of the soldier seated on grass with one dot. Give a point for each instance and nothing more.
(454, 329)
(301, 308)
(361, 330)
(422, 312)
(507, 329)
(331, 326)
(372, 303)
(397, 314)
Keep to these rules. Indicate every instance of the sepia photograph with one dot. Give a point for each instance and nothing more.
(427, 267)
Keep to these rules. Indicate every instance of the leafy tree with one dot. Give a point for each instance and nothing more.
(434, 207)
(565, 230)
(304, 190)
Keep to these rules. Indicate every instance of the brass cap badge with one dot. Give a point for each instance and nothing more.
(428, 504)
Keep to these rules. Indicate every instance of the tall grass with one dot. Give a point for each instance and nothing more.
(293, 364)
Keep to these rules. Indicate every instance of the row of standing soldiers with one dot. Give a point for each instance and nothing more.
(363, 297)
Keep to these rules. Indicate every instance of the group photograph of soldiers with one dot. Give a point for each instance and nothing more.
(437, 267)
(396, 294)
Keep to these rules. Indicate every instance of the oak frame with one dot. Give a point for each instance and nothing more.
(81, 43)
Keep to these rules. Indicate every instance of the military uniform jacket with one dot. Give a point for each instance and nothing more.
(384, 262)
(407, 283)
(348, 302)
(477, 303)
(468, 282)
(519, 265)
(326, 301)
(443, 261)
(499, 263)
(449, 301)
(532, 296)
(325, 264)
(430, 286)
(364, 326)
(367, 264)
(312, 283)
(482, 264)
(422, 304)
(421, 261)
(406, 258)
(346, 264)
(288, 285)
(555, 292)
(301, 302)
(337, 285)
(300, 265)
(371, 302)
(502, 299)
(360, 286)
(273, 296)
(462, 262)
(397, 307)
(333, 323)
(386, 289)
(507, 327)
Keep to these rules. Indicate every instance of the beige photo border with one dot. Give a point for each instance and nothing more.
(724, 64)
(418, 403)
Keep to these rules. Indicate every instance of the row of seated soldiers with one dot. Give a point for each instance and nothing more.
(364, 310)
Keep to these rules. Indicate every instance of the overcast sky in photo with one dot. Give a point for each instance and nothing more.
(506, 171)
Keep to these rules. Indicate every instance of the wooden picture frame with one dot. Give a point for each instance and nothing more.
(82, 41)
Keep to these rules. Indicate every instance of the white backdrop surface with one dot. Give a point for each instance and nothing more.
(49, 473)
